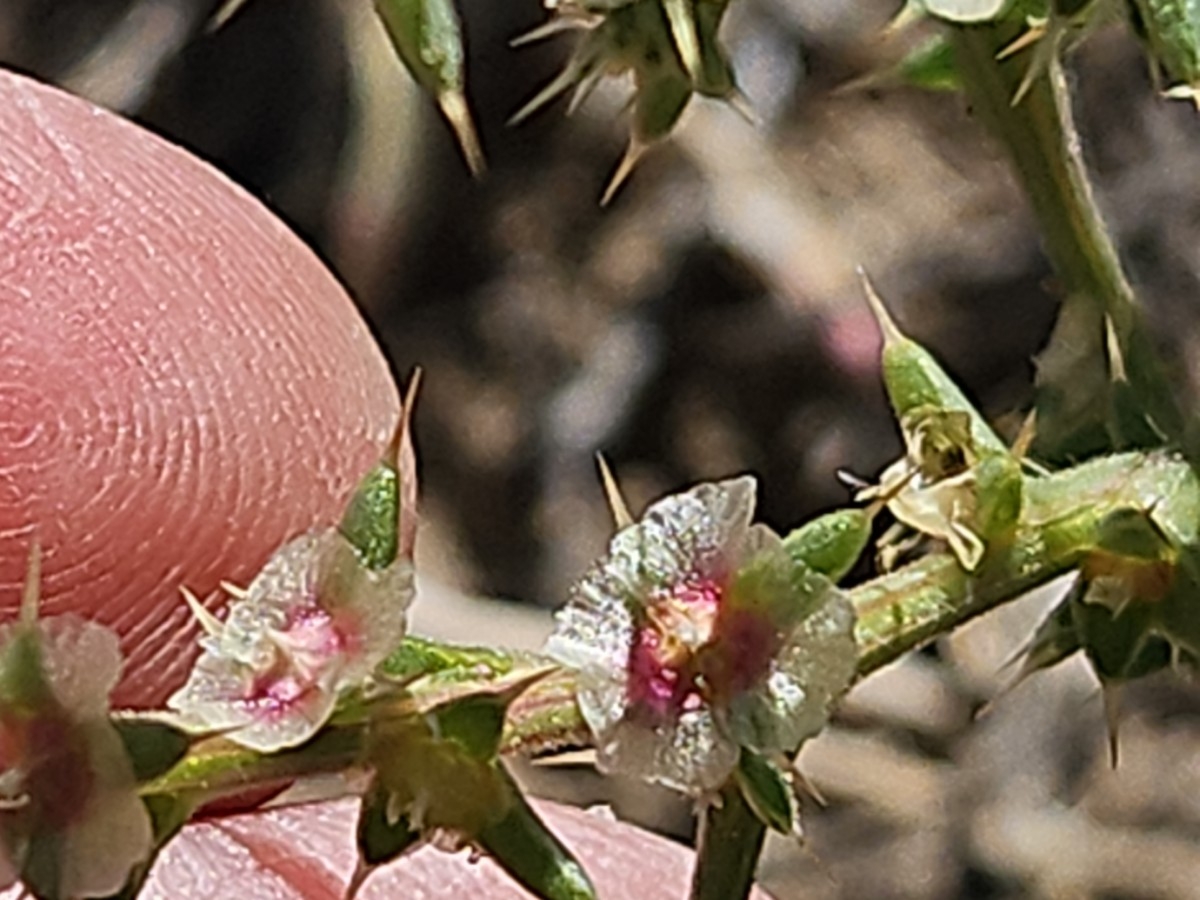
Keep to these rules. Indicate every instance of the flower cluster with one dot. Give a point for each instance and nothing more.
(314, 622)
(698, 635)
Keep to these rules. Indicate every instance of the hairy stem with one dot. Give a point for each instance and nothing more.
(1040, 138)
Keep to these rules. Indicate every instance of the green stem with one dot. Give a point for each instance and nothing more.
(1039, 135)
(1040, 138)
(732, 837)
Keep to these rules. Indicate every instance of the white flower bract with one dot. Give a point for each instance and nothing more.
(698, 634)
(313, 622)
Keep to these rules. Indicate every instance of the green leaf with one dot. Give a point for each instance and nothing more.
(915, 381)
(768, 793)
(1170, 30)
(370, 521)
(153, 746)
(420, 656)
(929, 66)
(428, 39)
(382, 838)
(831, 544)
(475, 721)
(525, 848)
(380, 519)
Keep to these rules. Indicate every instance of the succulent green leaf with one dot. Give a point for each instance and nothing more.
(371, 520)
(1170, 30)
(475, 721)
(929, 66)
(428, 39)
(380, 520)
(831, 544)
(418, 656)
(153, 746)
(382, 838)
(768, 793)
(525, 848)
(914, 380)
(23, 683)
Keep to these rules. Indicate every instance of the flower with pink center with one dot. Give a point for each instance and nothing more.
(71, 821)
(697, 635)
(314, 622)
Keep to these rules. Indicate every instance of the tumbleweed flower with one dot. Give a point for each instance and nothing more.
(312, 623)
(697, 635)
(71, 821)
(942, 508)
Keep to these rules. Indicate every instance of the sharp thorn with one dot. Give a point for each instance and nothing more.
(892, 335)
(32, 592)
(206, 620)
(453, 105)
(628, 162)
(616, 502)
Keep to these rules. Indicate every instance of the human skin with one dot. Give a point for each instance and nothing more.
(183, 386)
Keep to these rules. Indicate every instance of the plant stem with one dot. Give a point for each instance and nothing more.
(1039, 135)
(1040, 138)
(734, 837)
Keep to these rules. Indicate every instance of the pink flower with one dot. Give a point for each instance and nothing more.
(71, 821)
(698, 635)
(314, 622)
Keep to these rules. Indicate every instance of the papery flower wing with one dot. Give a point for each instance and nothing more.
(696, 535)
(290, 724)
(371, 603)
(688, 753)
(113, 833)
(807, 675)
(81, 825)
(82, 662)
(313, 622)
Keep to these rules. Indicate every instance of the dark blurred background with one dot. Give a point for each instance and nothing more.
(709, 322)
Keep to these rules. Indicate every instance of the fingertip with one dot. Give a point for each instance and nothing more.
(183, 383)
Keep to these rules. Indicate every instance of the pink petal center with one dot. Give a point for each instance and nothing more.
(311, 652)
(662, 677)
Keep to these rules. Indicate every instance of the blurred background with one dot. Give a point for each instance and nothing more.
(709, 322)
